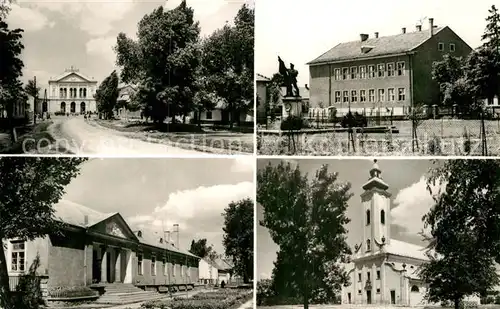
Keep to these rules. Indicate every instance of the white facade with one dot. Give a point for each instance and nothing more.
(71, 92)
(208, 274)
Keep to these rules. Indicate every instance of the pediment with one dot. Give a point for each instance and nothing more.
(114, 226)
(74, 78)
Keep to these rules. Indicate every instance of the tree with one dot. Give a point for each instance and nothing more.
(106, 95)
(238, 236)
(29, 186)
(32, 89)
(228, 59)
(492, 33)
(464, 226)
(306, 219)
(162, 62)
(200, 248)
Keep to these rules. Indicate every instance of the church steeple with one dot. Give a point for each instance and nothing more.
(375, 181)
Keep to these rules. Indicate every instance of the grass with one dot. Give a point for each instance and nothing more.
(184, 136)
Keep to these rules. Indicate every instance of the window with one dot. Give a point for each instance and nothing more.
(354, 96)
(391, 94)
(371, 71)
(414, 288)
(84, 92)
(209, 115)
(153, 266)
(368, 248)
(381, 70)
(382, 216)
(401, 68)
(452, 47)
(381, 95)
(359, 291)
(359, 277)
(362, 72)
(368, 275)
(354, 72)
(362, 95)
(368, 217)
(390, 69)
(378, 274)
(337, 97)
(401, 94)
(17, 260)
(139, 264)
(345, 73)
(371, 95)
(378, 291)
(441, 46)
(337, 74)
(164, 262)
(346, 96)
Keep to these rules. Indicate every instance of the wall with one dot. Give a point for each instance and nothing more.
(66, 261)
(262, 95)
(425, 89)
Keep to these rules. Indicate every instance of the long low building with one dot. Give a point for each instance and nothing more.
(98, 249)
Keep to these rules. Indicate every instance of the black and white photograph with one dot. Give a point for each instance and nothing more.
(126, 233)
(361, 78)
(127, 77)
(389, 233)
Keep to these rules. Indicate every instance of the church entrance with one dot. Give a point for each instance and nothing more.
(369, 297)
(393, 297)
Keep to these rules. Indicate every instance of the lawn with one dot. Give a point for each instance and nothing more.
(219, 299)
(185, 136)
(436, 137)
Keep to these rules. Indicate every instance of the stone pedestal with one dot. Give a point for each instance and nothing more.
(292, 106)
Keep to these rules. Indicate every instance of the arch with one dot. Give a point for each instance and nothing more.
(72, 107)
(368, 245)
(368, 217)
(82, 107)
(63, 107)
(382, 216)
(414, 289)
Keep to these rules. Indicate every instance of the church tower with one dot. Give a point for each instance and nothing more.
(376, 212)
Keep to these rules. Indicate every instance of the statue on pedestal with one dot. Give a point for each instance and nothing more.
(289, 79)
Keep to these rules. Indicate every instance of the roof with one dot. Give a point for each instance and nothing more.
(74, 214)
(71, 72)
(262, 78)
(405, 249)
(381, 46)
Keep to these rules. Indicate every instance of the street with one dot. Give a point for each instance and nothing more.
(81, 138)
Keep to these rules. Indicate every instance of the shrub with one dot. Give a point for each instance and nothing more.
(28, 292)
(497, 300)
(434, 145)
(468, 304)
(467, 142)
(69, 292)
(293, 123)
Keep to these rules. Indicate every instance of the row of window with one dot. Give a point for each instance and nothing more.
(140, 269)
(451, 47)
(368, 216)
(370, 71)
(63, 92)
(352, 96)
(368, 276)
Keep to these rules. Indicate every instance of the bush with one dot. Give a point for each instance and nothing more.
(468, 304)
(223, 299)
(69, 292)
(28, 292)
(293, 123)
(434, 145)
(497, 300)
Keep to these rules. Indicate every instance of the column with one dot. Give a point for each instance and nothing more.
(104, 272)
(118, 266)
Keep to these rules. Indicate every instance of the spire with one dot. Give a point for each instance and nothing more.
(375, 171)
(375, 181)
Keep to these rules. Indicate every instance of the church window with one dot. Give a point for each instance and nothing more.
(382, 216)
(368, 245)
(414, 288)
(359, 277)
(17, 258)
(378, 274)
(368, 217)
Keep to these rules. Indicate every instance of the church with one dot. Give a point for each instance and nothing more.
(383, 270)
(70, 93)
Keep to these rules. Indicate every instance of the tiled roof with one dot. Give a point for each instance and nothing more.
(381, 46)
(74, 213)
(262, 78)
(401, 248)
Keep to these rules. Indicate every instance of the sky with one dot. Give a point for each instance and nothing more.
(300, 31)
(81, 33)
(151, 192)
(410, 200)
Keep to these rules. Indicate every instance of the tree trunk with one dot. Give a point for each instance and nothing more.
(306, 299)
(457, 302)
(5, 294)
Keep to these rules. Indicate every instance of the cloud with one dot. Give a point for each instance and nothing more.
(28, 19)
(102, 47)
(263, 276)
(412, 203)
(243, 164)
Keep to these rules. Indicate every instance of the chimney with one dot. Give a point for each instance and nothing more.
(307, 87)
(85, 220)
(403, 30)
(176, 230)
(431, 26)
(363, 37)
(169, 241)
(376, 35)
(419, 28)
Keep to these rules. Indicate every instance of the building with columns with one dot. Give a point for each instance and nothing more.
(383, 270)
(96, 249)
(71, 92)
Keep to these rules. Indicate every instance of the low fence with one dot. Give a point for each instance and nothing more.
(15, 280)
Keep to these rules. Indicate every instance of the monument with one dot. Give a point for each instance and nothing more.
(292, 101)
